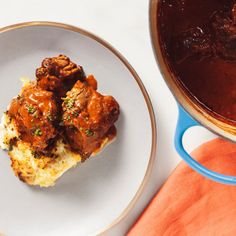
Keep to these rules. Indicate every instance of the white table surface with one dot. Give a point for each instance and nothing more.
(124, 24)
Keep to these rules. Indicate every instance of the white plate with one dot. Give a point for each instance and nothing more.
(92, 197)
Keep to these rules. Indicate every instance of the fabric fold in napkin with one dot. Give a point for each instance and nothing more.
(189, 204)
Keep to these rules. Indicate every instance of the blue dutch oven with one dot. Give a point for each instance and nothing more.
(190, 113)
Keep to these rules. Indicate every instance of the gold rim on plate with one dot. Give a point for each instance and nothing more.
(141, 86)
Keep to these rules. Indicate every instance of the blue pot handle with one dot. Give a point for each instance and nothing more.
(185, 121)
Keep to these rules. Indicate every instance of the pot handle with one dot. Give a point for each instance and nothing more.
(185, 121)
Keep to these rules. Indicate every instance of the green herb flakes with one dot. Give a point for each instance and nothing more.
(38, 132)
(89, 132)
(75, 113)
(69, 102)
(49, 117)
(31, 109)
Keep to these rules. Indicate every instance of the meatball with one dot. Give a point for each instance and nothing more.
(88, 117)
(35, 113)
(58, 74)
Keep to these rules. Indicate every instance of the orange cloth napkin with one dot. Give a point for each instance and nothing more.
(189, 204)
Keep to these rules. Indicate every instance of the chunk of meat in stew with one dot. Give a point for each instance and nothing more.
(58, 74)
(88, 117)
(35, 112)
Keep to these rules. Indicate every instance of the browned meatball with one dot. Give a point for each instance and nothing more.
(88, 117)
(58, 74)
(35, 112)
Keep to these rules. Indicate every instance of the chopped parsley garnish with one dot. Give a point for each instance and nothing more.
(75, 113)
(38, 132)
(89, 132)
(49, 117)
(31, 109)
(69, 102)
(68, 117)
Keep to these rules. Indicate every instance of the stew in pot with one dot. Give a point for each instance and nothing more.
(198, 40)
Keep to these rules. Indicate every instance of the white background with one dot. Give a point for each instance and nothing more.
(124, 24)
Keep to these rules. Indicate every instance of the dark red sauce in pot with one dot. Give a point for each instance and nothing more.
(198, 40)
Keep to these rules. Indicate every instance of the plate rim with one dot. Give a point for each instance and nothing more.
(147, 99)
